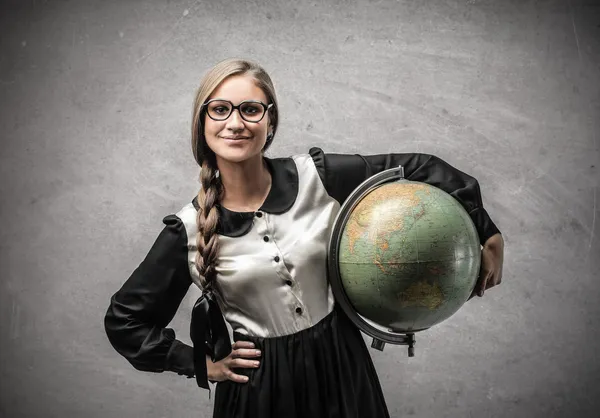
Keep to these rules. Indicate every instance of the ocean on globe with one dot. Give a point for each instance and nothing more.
(409, 256)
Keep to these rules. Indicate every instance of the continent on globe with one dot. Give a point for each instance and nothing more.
(373, 206)
(422, 294)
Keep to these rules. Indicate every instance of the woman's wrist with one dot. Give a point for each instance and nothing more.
(494, 242)
(209, 368)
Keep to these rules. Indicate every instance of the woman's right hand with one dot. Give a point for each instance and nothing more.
(243, 355)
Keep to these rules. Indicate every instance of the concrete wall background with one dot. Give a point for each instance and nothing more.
(96, 98)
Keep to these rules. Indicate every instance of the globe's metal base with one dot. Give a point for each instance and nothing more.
(406, 339)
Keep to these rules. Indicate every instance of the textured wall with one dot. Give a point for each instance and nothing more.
(96, 100)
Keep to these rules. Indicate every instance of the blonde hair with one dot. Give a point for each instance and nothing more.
(211, 187)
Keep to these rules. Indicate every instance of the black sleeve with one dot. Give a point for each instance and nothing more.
(139, 312)
(342, 173)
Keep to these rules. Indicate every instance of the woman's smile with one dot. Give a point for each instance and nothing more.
(235, 138)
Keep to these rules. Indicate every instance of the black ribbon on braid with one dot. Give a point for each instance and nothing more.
(209, 335)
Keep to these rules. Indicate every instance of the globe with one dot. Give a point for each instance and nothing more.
(406, 255)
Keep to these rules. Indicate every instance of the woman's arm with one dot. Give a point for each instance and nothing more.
(140, 311)
(342, 173)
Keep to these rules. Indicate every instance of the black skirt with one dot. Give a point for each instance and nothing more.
(324, 371)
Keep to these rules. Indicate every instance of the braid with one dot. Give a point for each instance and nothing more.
(207, 239)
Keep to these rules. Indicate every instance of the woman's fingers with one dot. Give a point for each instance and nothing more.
(243, 363)
(243, 349)
(493, 281)
(239, 378)
(490, 274)
(245, 352)
(483, 284)
(238, 363)
(243, 356)
(243, 344)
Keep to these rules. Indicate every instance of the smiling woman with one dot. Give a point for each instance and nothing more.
(255, 241)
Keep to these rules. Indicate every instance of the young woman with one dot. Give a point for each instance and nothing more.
(255, 241)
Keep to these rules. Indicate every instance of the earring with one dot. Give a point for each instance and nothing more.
(269, 137)
(217, 174)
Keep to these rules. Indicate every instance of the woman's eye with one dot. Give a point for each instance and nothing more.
(251, 110)
(220, 110)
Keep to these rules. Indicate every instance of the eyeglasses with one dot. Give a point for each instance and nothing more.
(249, 110)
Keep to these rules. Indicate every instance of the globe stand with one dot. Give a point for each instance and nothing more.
(380, 336)
(406, 339)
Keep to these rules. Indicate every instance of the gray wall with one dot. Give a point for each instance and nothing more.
(96, 100)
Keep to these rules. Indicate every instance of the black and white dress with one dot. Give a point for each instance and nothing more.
(272, 289)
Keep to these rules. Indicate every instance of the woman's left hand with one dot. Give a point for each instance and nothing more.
(492, 257)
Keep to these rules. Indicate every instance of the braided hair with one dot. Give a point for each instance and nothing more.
(211, 186)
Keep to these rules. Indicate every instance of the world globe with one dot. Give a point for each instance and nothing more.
(403, 257)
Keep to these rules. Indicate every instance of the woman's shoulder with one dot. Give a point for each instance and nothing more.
(185, 218)
(314, 154)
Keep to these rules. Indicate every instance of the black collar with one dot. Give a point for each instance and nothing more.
(281, 197)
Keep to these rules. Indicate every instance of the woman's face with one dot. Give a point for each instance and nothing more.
(234, 139)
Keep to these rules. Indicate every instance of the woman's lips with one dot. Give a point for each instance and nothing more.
(235, 138)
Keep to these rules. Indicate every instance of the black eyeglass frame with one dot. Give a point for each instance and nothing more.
(265, 109)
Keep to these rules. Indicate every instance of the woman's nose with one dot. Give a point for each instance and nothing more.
(235, 121)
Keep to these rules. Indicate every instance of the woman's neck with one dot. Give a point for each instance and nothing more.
(246, 184)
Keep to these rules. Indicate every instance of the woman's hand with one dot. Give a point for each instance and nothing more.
(238, 358)
(492, 257)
